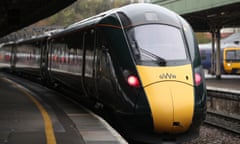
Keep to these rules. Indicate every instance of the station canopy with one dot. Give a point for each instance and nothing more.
(16, 14)
(219, 17)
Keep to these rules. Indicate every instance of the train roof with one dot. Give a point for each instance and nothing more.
(223, 45)
(234, 38)
(7, 43)
(136, 13)
(149, 13)
(92, 19)
(32, 39)
(49, 33)
(83, 23)
(230, 41)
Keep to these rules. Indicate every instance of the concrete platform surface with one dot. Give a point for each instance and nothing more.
(229, 83)
(33, 114)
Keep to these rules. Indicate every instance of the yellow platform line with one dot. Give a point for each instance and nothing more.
(50, 136)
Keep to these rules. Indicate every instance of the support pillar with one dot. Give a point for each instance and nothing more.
(218, 54)
(213, 52)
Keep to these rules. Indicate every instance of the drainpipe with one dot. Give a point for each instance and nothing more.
(218, 54)
(213, 52)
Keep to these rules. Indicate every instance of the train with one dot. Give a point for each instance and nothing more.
(140, 62)
(229, 55)
(231, 60)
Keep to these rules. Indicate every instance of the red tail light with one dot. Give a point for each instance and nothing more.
(198, 79)
(133, 81)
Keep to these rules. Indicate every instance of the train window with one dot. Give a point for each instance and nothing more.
(67, 53)
(238, 55)
(5, 55)
(230, 55)
(28, 55)
(157, 42)
(203, 55)
(191, 41)
(233, 55)
(89, 54)
(58, 52)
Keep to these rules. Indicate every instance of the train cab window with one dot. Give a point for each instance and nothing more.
(233, 55)
(230, 55)
(238, 55)
(157, 43)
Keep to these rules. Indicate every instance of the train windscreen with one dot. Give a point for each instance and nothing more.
(233, 55)
(155, 42)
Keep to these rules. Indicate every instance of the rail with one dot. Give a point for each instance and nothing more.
(223, 121)
(227, 95)
(222, 111)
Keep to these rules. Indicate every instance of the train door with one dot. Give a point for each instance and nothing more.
(49, 51)
(44, 61)
(88, 63)
(55, 50)
(13, 57)
(104, 73)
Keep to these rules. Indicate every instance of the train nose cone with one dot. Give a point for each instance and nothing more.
(170, 95)
(171, 105)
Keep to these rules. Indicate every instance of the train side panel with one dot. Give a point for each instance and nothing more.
(27, 59)
(65, 60)
(115, 60)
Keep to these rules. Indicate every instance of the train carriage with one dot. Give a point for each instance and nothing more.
(28, 56)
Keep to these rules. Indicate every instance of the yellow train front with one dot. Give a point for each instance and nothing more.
(158, 85)
(231, 60)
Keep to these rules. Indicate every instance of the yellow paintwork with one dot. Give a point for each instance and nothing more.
(171, 99)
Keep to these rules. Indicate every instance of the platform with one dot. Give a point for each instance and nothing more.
(36, 115)
(227, 83)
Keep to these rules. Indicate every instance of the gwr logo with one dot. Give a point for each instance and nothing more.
(167, 76)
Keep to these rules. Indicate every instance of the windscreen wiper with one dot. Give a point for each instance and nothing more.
(161, 61)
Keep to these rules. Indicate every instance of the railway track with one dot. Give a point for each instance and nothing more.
(223, 121)
(221, 106)
(223, 94)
